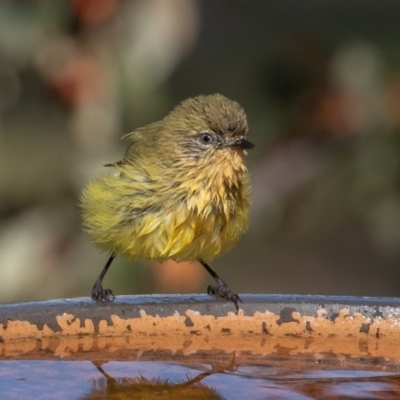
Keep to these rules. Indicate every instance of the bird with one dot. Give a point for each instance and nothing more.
(181, 191)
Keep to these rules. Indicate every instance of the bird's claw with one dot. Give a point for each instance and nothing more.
(226, 293)
(101, 295)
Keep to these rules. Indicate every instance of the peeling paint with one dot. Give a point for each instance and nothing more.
(132, 327)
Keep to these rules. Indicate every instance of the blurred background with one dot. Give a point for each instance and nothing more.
(320, 82)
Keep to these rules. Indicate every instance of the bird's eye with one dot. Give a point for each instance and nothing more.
(206, 138)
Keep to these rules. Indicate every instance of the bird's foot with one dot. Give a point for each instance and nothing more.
(100, 295)
(223, 290)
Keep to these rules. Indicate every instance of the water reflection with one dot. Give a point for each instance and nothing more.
(175, 380)
(343, 384)
(140, 387)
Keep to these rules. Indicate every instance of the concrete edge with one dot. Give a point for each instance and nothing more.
(363, 328)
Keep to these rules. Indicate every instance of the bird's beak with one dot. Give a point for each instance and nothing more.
(241, 144)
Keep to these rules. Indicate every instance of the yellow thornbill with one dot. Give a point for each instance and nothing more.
(180, 192)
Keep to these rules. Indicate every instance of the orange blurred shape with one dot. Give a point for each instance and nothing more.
(330, 114)
(80, 80)
(94, 11)
(392, 103)
(182, 277)
(336, 113)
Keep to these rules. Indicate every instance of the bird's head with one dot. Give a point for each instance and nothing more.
(208, 131)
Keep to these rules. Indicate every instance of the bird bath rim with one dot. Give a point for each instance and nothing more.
(309, 330)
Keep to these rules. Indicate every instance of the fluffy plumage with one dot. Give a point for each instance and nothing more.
(177, 193)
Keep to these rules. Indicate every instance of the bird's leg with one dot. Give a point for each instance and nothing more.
(99, 294)
(221, 288)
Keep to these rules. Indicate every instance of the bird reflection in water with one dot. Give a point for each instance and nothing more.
(110, 388)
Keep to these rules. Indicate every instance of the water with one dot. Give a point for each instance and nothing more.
(35, 379)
